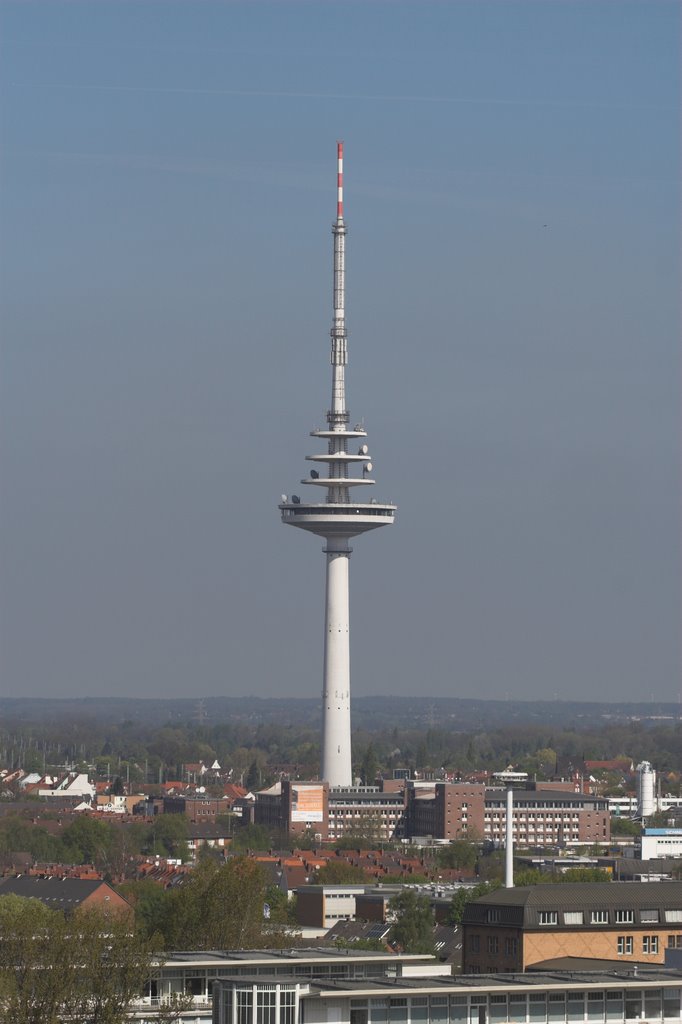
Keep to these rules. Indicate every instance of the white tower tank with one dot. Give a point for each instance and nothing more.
(646, 789)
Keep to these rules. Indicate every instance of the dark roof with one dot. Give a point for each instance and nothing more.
(586, 964)
(59, 893)
(522, 905)
(353, 930)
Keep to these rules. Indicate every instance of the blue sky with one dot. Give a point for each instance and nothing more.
(512, 196)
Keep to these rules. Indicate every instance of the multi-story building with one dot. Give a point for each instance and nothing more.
(450, 810)
(195, 974)
(547, 818)
(539, 998)
(374, 813)
(446, 810)
(439, 810)
(369, 811)
(294, 808)
(625, 922)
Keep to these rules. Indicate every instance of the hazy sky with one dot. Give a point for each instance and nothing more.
(512, 198)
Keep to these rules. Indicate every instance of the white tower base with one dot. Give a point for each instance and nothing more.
(337, 767)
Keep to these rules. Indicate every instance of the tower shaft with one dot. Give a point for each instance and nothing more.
(337, 767)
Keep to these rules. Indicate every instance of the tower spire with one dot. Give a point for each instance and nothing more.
(337, 519)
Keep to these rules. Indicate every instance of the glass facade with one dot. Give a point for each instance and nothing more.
(283, 1004)
(594, 1007)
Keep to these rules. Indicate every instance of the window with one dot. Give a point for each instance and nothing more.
(625, 945)
(265, 1007)
(244, 1004)
(493, 944)
(439, 1009)
(419, 1010)
(475, 943)
(511, 947)
(287, 1004)
(548, 917)
(498, 1009)
(673, 916)
(650, 944)
(675, 941)
(599, 917)
(614, 1006)
(573, 917)
(625, 916)
(492, 916)
(648, 916)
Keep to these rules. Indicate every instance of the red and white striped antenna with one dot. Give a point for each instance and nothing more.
(339, 181)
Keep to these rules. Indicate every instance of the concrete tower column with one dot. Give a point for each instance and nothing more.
(337, 767)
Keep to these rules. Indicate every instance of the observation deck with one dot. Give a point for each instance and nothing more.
(337, 520)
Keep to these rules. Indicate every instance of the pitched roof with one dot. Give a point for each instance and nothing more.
(58, 893)
(524, 905)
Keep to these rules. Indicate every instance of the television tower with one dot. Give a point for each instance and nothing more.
(337, 519)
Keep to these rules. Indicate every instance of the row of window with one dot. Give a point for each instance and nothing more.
(511, 945)
(625, 944)
(539, 1007)
(573, 917)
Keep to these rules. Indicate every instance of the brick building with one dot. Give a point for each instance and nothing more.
(450, 810)
(442, 810)
(294, 808)
(512, 929)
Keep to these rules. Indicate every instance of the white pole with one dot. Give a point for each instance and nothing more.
(509, 841)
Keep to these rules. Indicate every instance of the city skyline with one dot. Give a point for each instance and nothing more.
(164, 289)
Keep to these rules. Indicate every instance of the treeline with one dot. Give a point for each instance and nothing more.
(84, 967)
(140, 753)
(90, 965)
(107, 844)
(219, 906)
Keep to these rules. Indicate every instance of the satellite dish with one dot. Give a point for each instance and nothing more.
(314, 474)
(295, 498)
(283, 499)
(368, 467)
(363, 449)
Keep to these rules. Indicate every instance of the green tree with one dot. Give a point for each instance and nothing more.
(88, 841)
(625, 827)
(117, 787)
(251, 837)
(413, 926)
(340, 872)
(167, 836)
(457, 854)
(149, 901)
(369, 766)
(87, 967)
(253, 777)
(464, 896)
(220, 907)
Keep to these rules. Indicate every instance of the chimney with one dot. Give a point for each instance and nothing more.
(509, 842)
